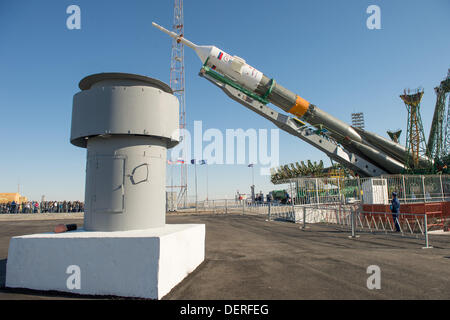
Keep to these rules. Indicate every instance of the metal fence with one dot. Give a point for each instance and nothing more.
(353, 219)
(424, 188)
(215, 206)
(232, 206)
(409, 188)
(348, 217)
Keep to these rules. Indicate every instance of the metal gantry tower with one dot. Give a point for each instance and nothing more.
(438, 140)
(415, 137)
(447, 131)
(177, 84)
(445, 87)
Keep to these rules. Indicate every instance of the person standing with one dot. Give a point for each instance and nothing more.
(395, 209)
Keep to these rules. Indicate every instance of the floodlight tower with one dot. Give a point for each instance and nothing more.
(415, 138)
(358, 120)
(177, 86)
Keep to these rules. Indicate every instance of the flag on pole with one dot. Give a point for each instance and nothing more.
(180, 161)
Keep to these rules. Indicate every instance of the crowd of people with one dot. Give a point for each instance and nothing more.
(42, 207)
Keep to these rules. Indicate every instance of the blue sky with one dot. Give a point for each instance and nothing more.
(322, 50)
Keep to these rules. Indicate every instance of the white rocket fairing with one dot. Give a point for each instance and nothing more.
(234, 67)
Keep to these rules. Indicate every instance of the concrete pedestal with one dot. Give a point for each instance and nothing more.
(139, 263)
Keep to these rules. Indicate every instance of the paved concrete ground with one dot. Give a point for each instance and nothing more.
(40, 216)
(250, 258)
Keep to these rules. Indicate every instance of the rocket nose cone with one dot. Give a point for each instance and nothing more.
(353, 134)
(203, 52)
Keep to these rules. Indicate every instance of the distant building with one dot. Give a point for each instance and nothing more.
(10, 197)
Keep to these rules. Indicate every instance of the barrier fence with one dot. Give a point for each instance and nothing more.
(409, 188)
(354, 220)
(350, 218)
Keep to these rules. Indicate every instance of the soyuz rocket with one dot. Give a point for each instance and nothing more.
(387, 154)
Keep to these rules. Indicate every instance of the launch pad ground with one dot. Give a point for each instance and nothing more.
(250, 258)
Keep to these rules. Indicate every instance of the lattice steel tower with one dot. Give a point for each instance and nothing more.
(177, 85)
(415, 138)
(447, 130)
(437, 146)
(445, 87)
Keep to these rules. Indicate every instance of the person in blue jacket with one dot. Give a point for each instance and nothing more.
(395, 209)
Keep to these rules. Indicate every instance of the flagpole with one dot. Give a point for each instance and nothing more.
(207, 186)
(253, 175)
(196, 199)
(252, 187)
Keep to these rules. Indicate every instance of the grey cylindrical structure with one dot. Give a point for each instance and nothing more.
(126, 122)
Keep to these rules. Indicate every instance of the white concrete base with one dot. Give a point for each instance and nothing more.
(140, 263)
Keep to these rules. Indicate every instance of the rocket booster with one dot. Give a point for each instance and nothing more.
(250, 78)
(393, 149)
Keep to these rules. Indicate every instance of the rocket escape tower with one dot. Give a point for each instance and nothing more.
(415, 138)
(177, 85)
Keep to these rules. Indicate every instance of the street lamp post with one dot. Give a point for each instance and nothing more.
(194, 162)
(253, 176)
(207, 186)
(253, 182)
